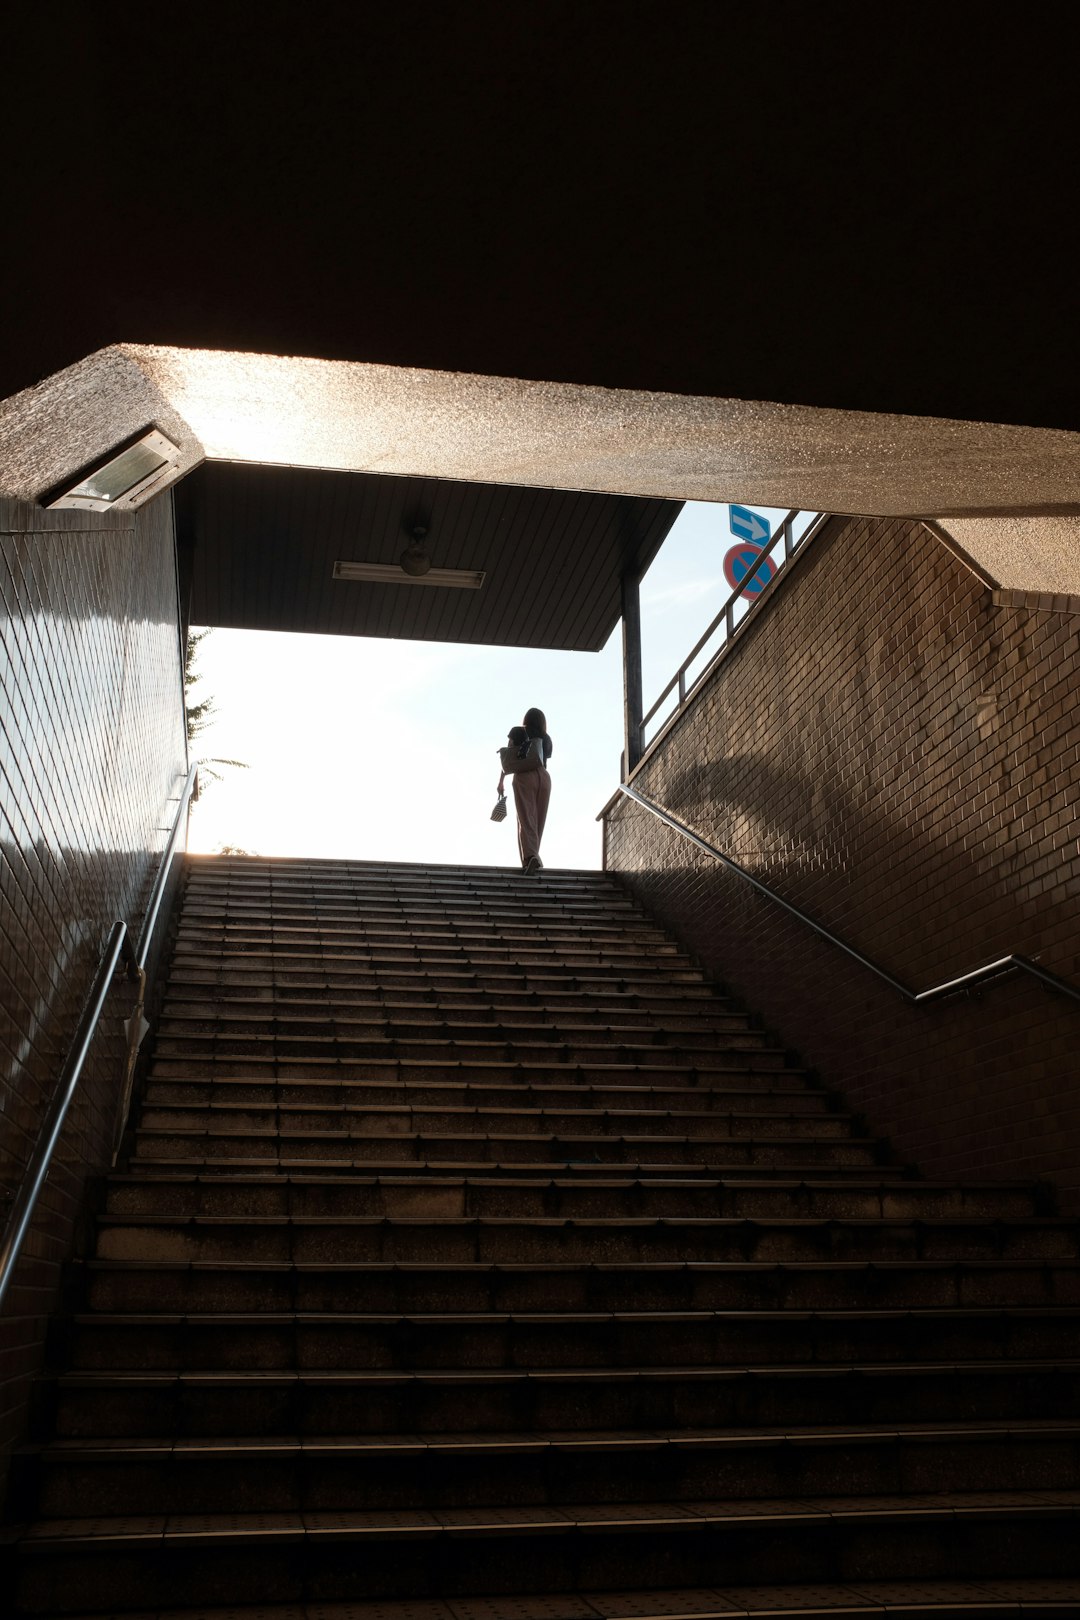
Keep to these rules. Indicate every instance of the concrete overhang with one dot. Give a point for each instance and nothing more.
(1008, 494)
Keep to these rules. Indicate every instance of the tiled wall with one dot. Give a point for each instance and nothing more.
(901, 758)
(91, 751)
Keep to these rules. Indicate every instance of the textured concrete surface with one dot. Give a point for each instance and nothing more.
(52, 431)
(1030, 554)
(439, 424)
(280, 410)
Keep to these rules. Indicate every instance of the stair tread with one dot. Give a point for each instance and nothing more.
(703, 999)
(573, 1516)
(155, 1377)
(632, 1268)
(898, 1181)
(590, 1178)
(527, 1065)
(856, 1175)
(467, 1111)
(484, 1178)
(498, 1317)
(1008, 1599)
(508, 1136)
(618, 1440)
(794, 1086)
(1036, 1223)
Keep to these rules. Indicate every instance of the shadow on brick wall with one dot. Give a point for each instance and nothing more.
(897, 757)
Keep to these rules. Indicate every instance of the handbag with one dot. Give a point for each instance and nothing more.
(499, 812)
(514, 765)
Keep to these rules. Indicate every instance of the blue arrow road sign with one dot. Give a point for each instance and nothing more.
(749, 525)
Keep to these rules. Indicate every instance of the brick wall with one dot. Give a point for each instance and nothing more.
(900, 757)
(91, 749)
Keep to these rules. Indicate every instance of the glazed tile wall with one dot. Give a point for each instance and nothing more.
(901, 758)
(92, 749)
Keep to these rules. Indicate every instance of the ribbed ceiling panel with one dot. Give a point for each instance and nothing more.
(266, 540)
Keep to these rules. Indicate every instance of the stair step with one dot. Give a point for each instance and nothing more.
(493, 1049)
(405, 1472)
(705, 1069)
(362, 1239)
(694, 1003)
(191, 1016)
(227, 1024)
(673, 966)
(397, 1400)
(336, 1340)
(403, 1287)
(582, 1194)
(769, 1153)
(72, 1564)
(330, 971)
(541, 914)
(1003, 1599)
(420, 887)
(388, 1119)
(423, 936)
(343, 1169)
(762, 1098)
(742, 1056)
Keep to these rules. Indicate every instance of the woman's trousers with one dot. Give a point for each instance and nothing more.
(532, 790)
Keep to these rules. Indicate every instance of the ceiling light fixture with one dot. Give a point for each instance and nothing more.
(415, 560)
(462, 579)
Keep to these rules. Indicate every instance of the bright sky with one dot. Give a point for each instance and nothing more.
(385, 750)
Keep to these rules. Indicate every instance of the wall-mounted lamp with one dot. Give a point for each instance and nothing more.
(129, 477)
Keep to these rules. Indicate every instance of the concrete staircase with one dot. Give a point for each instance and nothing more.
(476, 1259)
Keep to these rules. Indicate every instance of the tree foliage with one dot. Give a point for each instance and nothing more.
(201, 715)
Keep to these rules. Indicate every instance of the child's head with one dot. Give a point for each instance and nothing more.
(516, 736)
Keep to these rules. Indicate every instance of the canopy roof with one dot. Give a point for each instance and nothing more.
(262, 543)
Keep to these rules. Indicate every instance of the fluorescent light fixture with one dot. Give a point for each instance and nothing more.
(126, 479)
(462, 579)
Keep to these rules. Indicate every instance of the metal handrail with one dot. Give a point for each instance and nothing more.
(38, 1167)
(916, 998)
(153, 906)
(119, 947)
(784, 532)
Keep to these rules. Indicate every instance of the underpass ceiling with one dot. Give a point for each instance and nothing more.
(760, 202)
(263, 541)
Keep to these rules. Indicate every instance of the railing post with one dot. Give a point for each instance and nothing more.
(631, 642)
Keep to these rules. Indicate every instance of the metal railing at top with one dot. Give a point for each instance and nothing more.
(789, 537)
(119, 948)
(916, 998)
